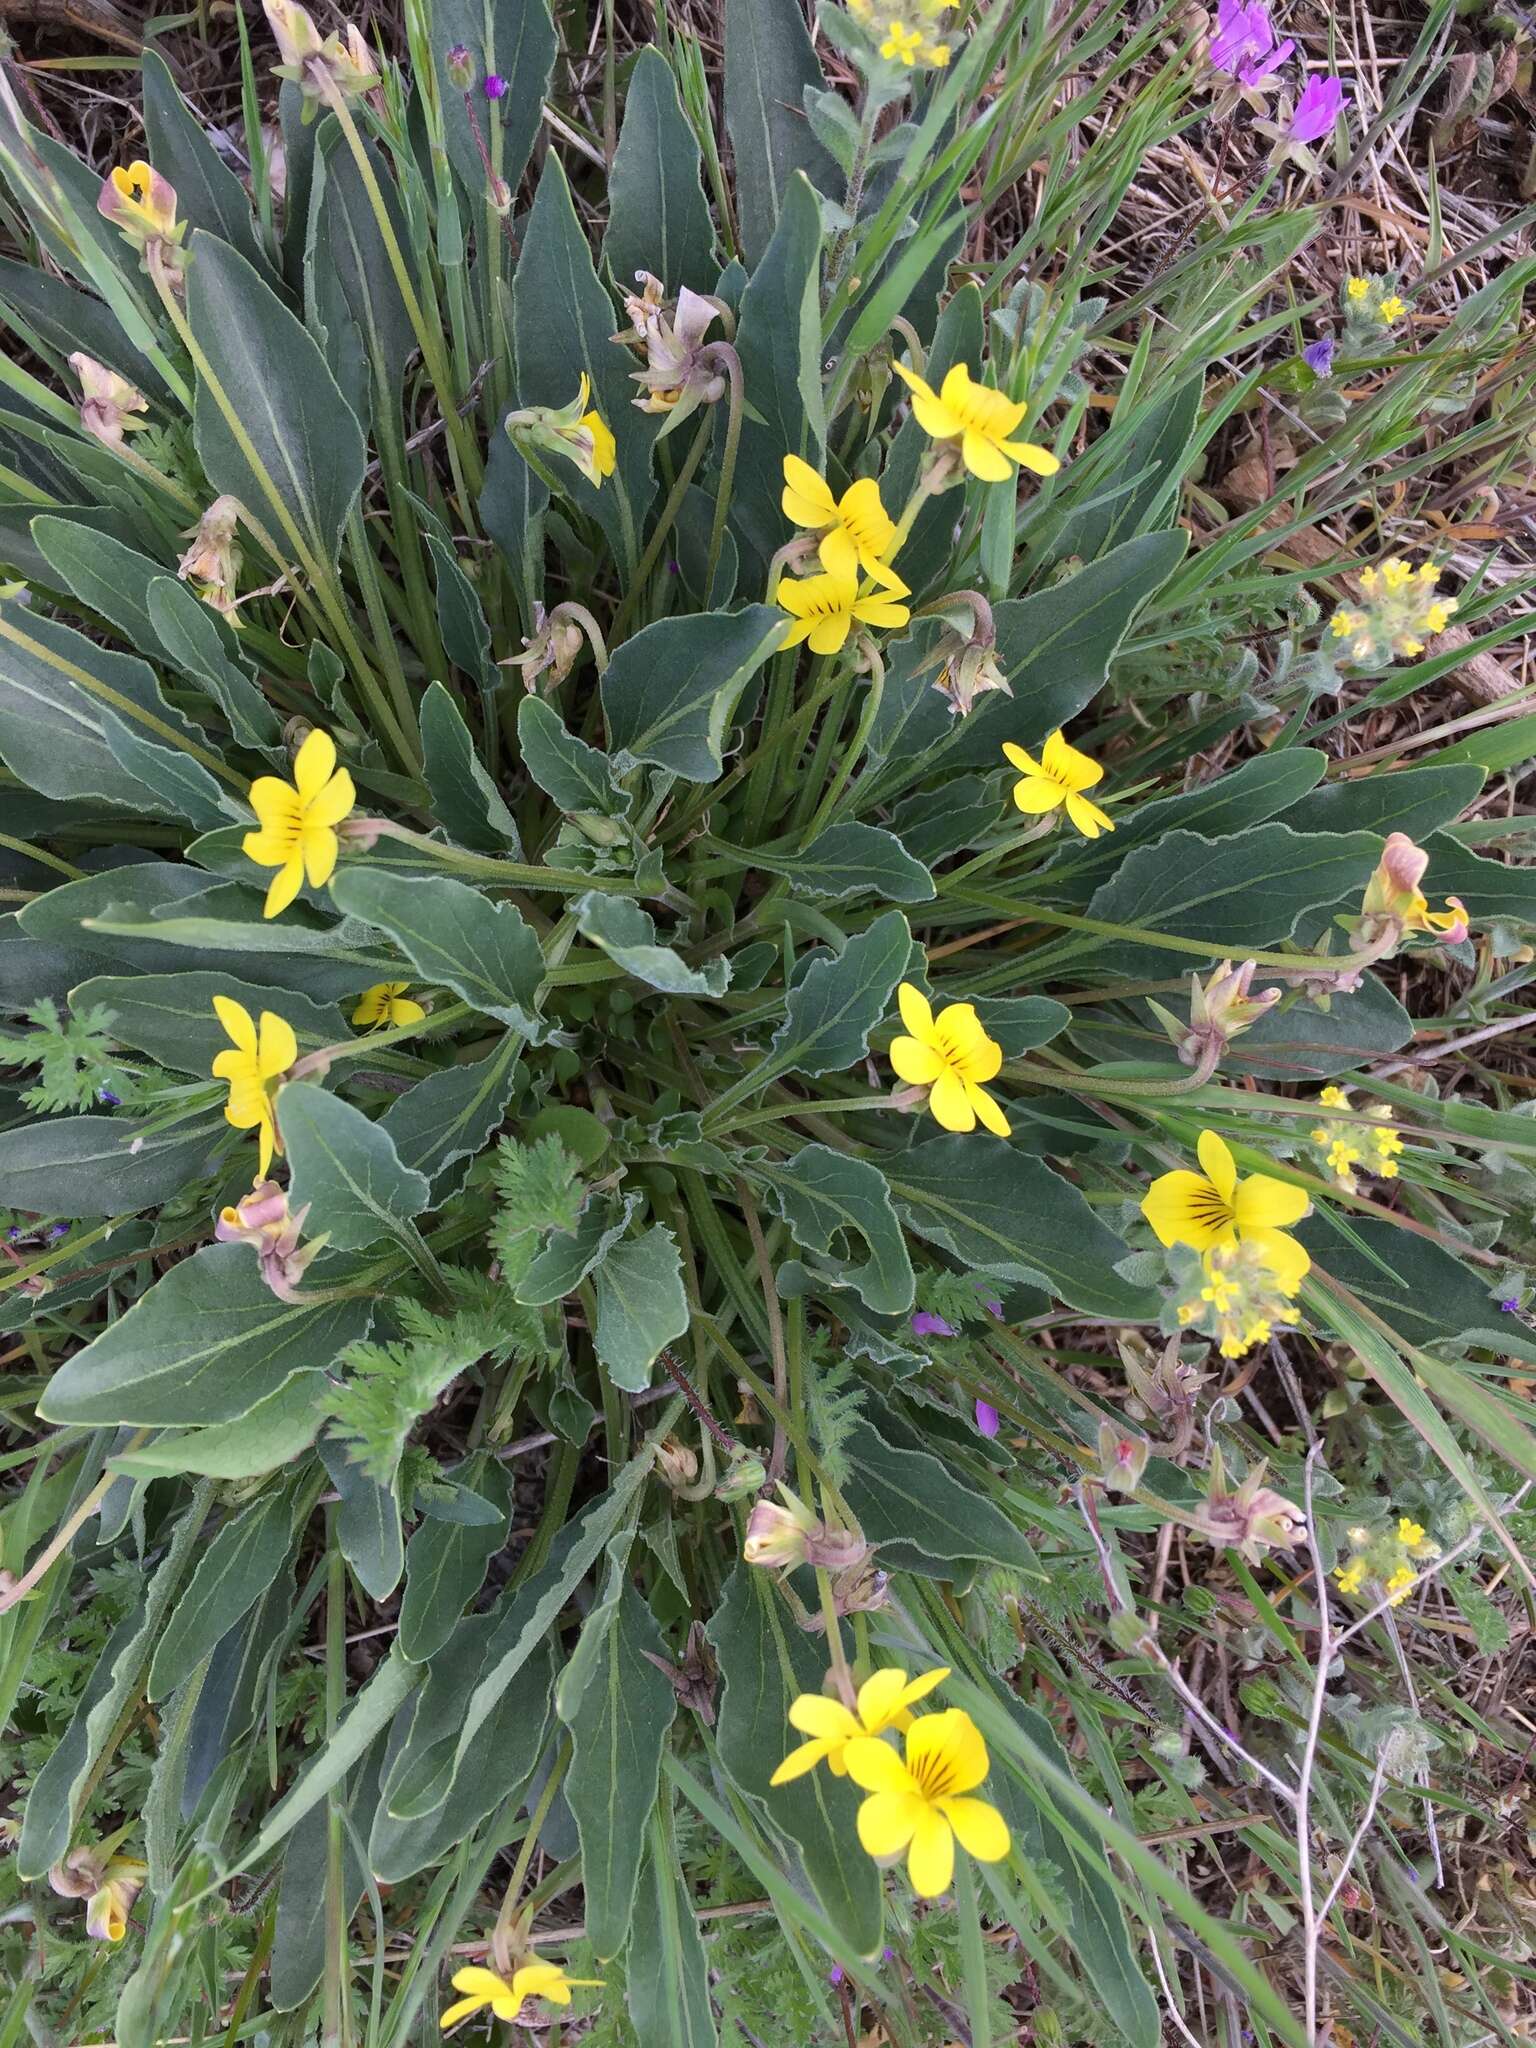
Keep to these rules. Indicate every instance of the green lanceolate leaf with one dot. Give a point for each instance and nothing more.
(837, 1002)
(666, 1970)
(76, 1166)
(205, 1344)
(303, 462)
(1249, 890)
(765, 1663)
(345, 1169)
(464, 798)
(1412, 800)
(516, 40)
(348, 269)
(922, 1516)
(1422, 1290)
(450, 933)
(769, 63)
(1002, 1212)
(461, 619)
(848, 860)
(658, 216)
(627, 934)
(445, 1566)
(641, 1306)
(272, 1433)
(563, 321)
(367, 1523)
(208, 194)
(1020, 1023)
(830, 1198)
(578, 777)
(451, 1115)
(618, 1731)
(778, 338)
(188, 631)
(230, 1577)
(670, 692)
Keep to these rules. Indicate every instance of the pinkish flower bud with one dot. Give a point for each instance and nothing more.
(1218, 1012)
(107, 401)
(1122, 1458)
(676, 1464)
(776, 1536)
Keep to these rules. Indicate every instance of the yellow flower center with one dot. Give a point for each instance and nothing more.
(933, 1775)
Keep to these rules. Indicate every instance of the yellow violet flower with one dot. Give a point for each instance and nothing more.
(575, 431)
(856, 531)
(884, 1701)
(950, 1055)
(254, 1062)
(506, 1995)
(918, 1803)
(1059, 777)
(298, 823)
(140, 202)
(979, 420)
(106, 1911)
(1204, 1210)
(387, 1003)
(1393, 894)
(825, 609)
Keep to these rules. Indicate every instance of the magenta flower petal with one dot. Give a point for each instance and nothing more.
(988, 1421)
(926, 1324)
(1321, 103)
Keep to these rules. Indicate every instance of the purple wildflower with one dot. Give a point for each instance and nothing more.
(112, 1101)
(13, 1236)
(59, 1230)
(1321, 103)
(1244, 44)
(926, 1324)
(992, 1306)
(988, 1421)
(835, 1974)
(1318, 355)
(495, 85)
(1511, 1307)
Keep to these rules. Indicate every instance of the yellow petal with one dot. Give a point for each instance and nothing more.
(1087, 817)
(1287, 1260)
(928, 408)
(814, 1714)
(476, 1977)
(1178, 1207)
(1264, 1204)
(914, 1062)
(239, 1024)
(285, 886)
(270, 847)
(828, 634)
(1076, 769)
(1024, 762)
(1215, 1155)
(320, 847)
(403, 1010)
(931, 1859)
(875, 1766)
(916, 1011)
(988, 1111)
(881, 1697)
(1034, 457)
(807, 499)
(275, 803)
(1037, 794)
(279, 1047)
(314, 764)
(332, 803)
(887, 1821)
(985, 459)
(981, 1828)
(839, 556)
(950, 1104)
(266, 1141)
(877, 609)
(798, 1762)
(460, 2010)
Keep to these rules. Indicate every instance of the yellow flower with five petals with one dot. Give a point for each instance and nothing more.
(884, 1701)
(902, 43)
(252, 1063)
(979, 421)
(298, 821)
(918, 1803)
(856, 530)
(1216, 1208)
(506, 1996)
(950, 1055)
(387, 1003)
(825, 609)
(1059, 777)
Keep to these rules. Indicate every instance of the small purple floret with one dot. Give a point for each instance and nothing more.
(988, 1421)
(926, 1324)
(1318, 355)
(495, 85)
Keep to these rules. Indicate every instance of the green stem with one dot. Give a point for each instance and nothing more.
(512, 874)
(973, 1955)
(724, 353)
(664, 525)
(853, 753)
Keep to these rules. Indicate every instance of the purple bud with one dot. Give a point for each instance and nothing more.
(495, 85)
(59, 1230)
(887, 1955)
(1318, 355)
(835, 1974)
(460, 66)
(1511, 1307)
(926, 1324)
(992, 1307)
(13, 1236)
(1321, 103)
(988, 1421)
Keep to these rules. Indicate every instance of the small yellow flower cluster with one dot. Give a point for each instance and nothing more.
(1371, 296)
(1369, 1147)
(1386, 1560)
(904, 29)
(918, 1804)
(1399, 612)
(1241, 1300)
